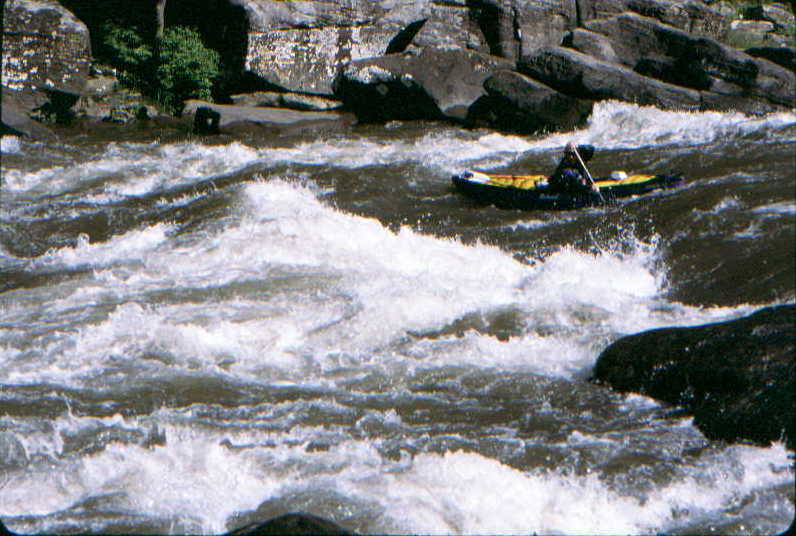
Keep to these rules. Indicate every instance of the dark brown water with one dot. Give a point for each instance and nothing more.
(199, 333)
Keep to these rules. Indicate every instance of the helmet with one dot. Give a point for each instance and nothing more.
(570, 148)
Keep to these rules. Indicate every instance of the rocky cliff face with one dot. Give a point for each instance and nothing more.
(44, 47)
(46, 59)
(392, 59)
(299, 46)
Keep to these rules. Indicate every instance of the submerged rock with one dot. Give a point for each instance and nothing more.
(296, 524)
(4, 531)
(736, 378)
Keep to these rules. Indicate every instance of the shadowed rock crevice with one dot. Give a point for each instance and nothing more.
(404, 38)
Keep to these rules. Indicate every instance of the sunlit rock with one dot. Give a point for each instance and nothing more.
(299, 46)
(435, 84)
(44, 47)
(520, 104)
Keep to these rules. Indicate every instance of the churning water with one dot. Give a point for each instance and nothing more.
(201, 333)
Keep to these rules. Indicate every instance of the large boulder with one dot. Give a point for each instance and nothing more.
(299, 46)
(520, 104)
(692, 16)
(585, 77)
(229, 115)
(44, 47)
(783, 56)
(516, 27)
(14, 118)
(672, 55)
(434, 84)
(736, 377)
(46, 59)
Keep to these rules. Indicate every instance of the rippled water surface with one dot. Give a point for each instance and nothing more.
(200, 333)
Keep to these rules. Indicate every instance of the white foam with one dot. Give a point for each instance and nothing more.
(10, 144)
(448, 493)
(362, 288)
(129, 246)
(134, 169)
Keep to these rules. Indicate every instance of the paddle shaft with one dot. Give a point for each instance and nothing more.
(588, 175)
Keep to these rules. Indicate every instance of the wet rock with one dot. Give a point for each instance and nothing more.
(296, 524)
(4, 531)
(436, 84)
(783, 56)
(736, 378)
(294, 101)
(584, 77)
(230, 115)
(14, 118)
(206, 121)
(520, 104)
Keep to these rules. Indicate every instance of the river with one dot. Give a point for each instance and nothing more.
(197, 333)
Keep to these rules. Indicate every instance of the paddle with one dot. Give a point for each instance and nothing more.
(588, 175)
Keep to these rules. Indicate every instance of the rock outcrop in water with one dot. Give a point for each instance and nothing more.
(521, 65)
(293, 525)
(736, 378)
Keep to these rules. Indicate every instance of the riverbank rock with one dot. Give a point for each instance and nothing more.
(235, 119)
(736, 378)
(44, 47)
(585, 77)
(435, 84)
(46, 58)
(293, 101)
(516, 103)
(297, 524)
(15, 118)
(695, 62)
(696, 17)
(783, 56)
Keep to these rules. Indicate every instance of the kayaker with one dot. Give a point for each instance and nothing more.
(571, 175)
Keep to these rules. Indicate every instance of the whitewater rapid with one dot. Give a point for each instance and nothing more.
(275, 351)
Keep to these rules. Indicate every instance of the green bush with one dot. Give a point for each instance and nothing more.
(125, 49)
(186, 68)
(182, 68)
